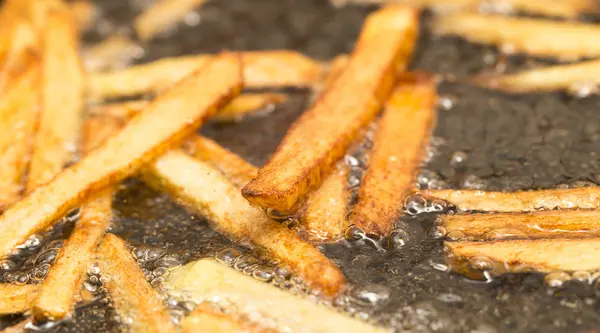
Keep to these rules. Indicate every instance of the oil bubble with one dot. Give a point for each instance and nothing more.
(228, 256)
(354, 233)
(415, 204)
(8, 265)
(21, 278)
(458, 158)
(263, 273)
(556, 279)
(437, 232)
(167, 261)
(373, 295)
(455, 235)
(397, 238)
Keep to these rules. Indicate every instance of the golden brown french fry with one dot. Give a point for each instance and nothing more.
(261, 69)
(17, 54)
(16, 298)
(321, 135)
(132, 296)
(114, 53)
(123, 110)
(207, 279)
(559, 77)
(162, 15)
(85, 13)
(206, 318)
(207, 191)
(522, 201)
(522, 256)
(334, 69)
(58, 294)
(163, 124)
(551, 224)
(401, 136)
(62, 84)
(248, 103)
(536, 37)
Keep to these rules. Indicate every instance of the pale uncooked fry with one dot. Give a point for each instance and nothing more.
(248, 103)
(113, 53)
(522, 201)
(206, 319)
(401, 136)
(536, 37)
(62, 84)
(208, 280)
(136, 302)
(164, 124)
(551, 224)
(162, 15)
(524, 256)
(16, 298)
(58, 294)
(205, 190)
(560, 77)
(261, 69)
(85, 13)
(321, 135)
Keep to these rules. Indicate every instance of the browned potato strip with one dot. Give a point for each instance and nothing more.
(561, 77)
(334, 69)
(113, 53)
(208, 192)
(521, 256)
(162, 15)
(62, 100)
(123, 110)
(537, 37)
(18, 114)
(400, 138)
(321, 135)
(236, 169)
(16, 298)
(261, 69)
(552, 224)
(17, 54)
(207, 279)
(85, 13)
(132, 296)
(58, 294)
(206, 319)
(523, 201)
(249, 103)
(164, 123)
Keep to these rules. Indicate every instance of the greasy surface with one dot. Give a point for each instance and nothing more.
(16, 298)
(511, 142)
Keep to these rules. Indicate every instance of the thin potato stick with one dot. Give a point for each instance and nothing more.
(85, 13)
(523, 201)
(536, 37)
(206, 191)
(18, 117)
(124, 110)
(58, 294)
(62, 100)
(162, 15)
(209, 280)
(163, 124)
(134, 299)
(206, 318)
(16, 298)
(17, 54)
(401, 136)
(559, 77)
(523, 256)
(321, 135)
(261, 69)
(551, 224)
(114, 53)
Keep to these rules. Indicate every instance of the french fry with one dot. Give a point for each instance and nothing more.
(162, 15)
(62, 100)
(559, 77)
(114, 53)
(248, 103)
(17, 54)
(551, 224)
(58, 294)
(522, 201)
(523, 256)
(261, 69)
(207, 279)
(536, 37)
(163, 124)
(321, 135)
(400, 139)
(16, 298)
(85, 13)
(204, 190)
(124, 110)
(132, 296)
(207, 319)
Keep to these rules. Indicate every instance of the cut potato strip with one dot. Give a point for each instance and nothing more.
(523, 256)
(261, 69)
(162, 15)
(561, 77)
(536, 37)
(523, 201)
(209, 280)
(62, 84)
(552, 224)
(113, 53)
(400, 139)
(136, 302)
(246, 104)
(206, 319)
(164, 124)
(16, 298)
(85, 13)
(321, 135)
(58, 294)
(206, 191)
